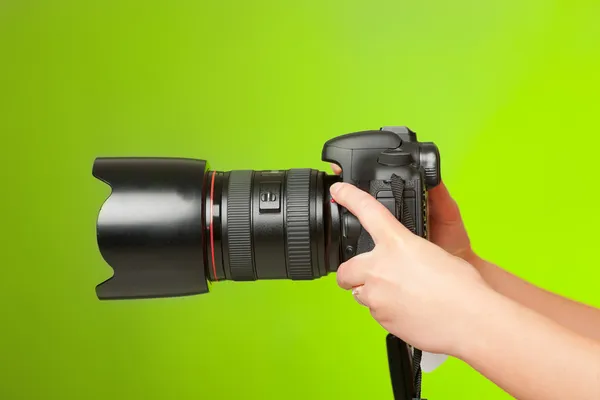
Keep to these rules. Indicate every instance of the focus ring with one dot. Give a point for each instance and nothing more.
(239, 196)
(297, 224)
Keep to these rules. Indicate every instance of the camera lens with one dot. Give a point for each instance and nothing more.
(270, 225)
(170, 225)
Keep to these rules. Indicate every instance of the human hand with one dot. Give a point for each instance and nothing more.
(446, 228)
(417, 291)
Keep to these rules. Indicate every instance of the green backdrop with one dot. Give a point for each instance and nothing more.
(508, 90)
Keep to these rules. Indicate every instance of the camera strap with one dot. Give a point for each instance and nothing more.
(406, 218)
(398, 351)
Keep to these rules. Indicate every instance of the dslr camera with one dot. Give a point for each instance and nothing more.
(172, 225)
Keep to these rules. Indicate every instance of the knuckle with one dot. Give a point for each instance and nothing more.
(341, 275)
(398, 240)
(396, 245)
(341, 279)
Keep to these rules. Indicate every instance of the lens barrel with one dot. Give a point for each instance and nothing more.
(268, 225)
(170, 225)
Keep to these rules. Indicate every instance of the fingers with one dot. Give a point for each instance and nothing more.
(357, 293)
(443, 208)
(373, 216)
(365, 295)
(353, 272)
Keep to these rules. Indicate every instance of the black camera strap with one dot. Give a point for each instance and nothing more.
(406, 376)
(406, 218)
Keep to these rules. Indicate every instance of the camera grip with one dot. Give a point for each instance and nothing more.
(365, 242)
(381, 190)
(405, 200)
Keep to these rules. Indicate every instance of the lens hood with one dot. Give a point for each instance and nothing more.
(150, 229)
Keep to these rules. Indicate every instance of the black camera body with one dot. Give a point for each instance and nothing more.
(172, 225)
(372, 160)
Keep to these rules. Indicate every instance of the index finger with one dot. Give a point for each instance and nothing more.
(336, 169)
(373, 216)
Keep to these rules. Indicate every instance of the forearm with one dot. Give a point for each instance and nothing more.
(529, 355)
(575, 316)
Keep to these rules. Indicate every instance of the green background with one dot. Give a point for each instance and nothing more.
(508, 90)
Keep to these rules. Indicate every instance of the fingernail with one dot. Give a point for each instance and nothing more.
(335, 188)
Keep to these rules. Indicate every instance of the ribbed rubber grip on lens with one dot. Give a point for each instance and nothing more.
(239, 228)
(297, 224)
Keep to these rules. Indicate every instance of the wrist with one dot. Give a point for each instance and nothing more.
(479, 317)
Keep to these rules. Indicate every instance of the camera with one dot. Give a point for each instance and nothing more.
(172, 225)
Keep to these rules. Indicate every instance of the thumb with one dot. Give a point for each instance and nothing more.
(443, 207)
(374, 217)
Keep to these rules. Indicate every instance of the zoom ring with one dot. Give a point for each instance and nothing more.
(298, 224)
(239, 225)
